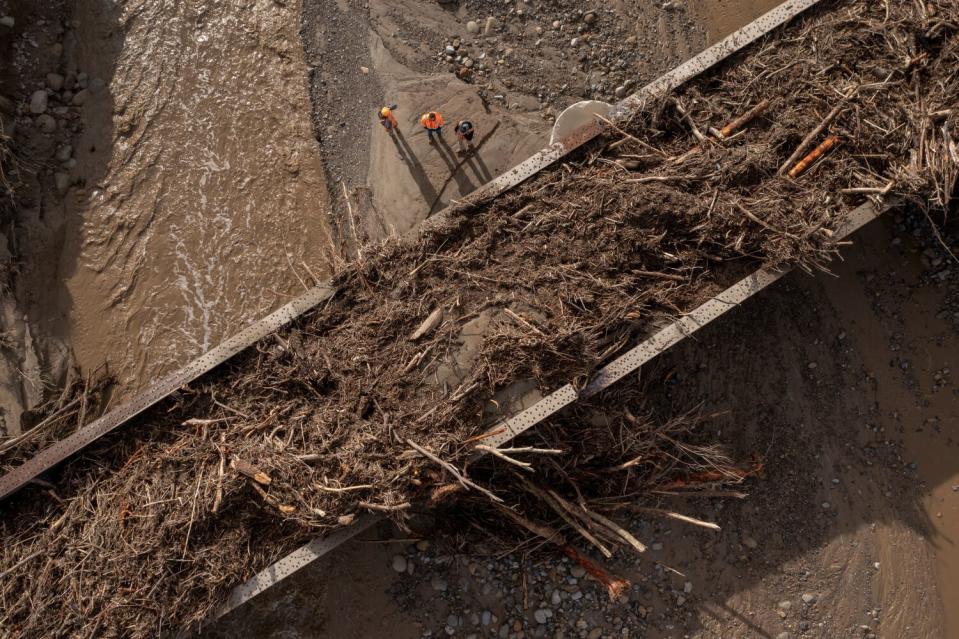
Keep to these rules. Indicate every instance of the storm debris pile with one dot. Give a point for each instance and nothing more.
(370, 401)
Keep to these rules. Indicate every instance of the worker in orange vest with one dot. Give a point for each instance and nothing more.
(387, 119)
(432, 121)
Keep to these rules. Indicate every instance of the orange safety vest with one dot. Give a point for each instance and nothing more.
(389, 117)
(426, 123)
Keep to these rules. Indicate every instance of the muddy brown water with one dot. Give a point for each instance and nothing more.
(204, 204)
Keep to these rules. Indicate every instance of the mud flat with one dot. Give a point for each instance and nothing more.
(722, 17)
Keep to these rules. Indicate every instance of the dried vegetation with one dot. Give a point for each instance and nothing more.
(376, 399)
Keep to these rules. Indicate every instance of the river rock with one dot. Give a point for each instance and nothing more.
(438, 583)
(38, 102)
(96, 86)
(620, 92)
(64, 153)
(81, 97)
(8, 21)
(542, 615)
(62, 181)
(399, 563)
(489, 26)
(46, 123)
(808, 598)
(589, 18)
(55, 81)
(472, 26)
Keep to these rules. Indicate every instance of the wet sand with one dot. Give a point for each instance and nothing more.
(412, 179)
(722, 17)
(915, 400)
(205, 203)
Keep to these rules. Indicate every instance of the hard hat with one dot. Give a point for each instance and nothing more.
(432, 115)
(385, 112)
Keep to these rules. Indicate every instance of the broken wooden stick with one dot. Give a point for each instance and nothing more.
(385, 508)
(814, 155)
(684, 114)
(615, 586)
(690, 520)
(218, 498)
(249, 470)
(531, 449)
(523, 321)
(345, 489)
(808, 140)
(486, 435)
(674, 515)
(467, 483)
(566, 511)
(506, 458)
(616, 528)
(744, 119)
(428, 325)
(762, 223)
(869, 190)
